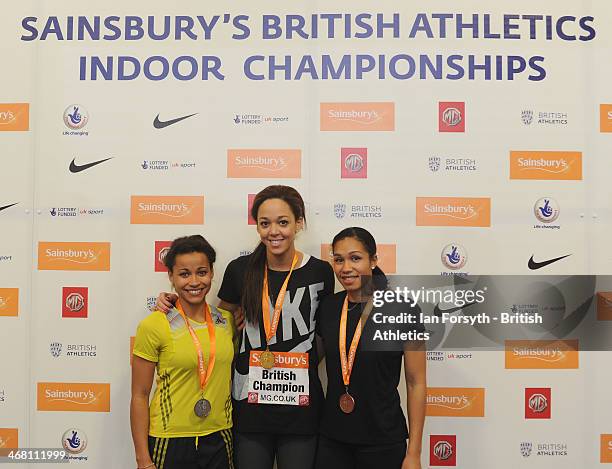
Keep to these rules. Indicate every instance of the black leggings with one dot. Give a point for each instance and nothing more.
(257, 451)
(332, 454)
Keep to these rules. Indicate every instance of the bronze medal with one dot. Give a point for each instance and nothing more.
(347, 403)
(202, 408)
(267, 359)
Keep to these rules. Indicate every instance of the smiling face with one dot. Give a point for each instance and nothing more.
(351, 262)
(277, 226)
(191, 277)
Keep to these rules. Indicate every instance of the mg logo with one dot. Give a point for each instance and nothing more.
(452, 116)
(443, 450)
(75, 302)
(353, 163)
(538, 403)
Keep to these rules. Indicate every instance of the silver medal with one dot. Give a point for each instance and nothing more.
(202, 408)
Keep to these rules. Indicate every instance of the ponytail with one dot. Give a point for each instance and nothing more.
(253, 284)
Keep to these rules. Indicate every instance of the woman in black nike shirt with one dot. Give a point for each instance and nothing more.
(292, 284)
(363, 425)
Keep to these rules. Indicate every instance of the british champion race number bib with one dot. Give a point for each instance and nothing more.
(286, 383)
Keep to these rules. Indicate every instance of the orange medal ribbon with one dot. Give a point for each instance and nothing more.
(204, 373)
(347, 364)
(265, 302)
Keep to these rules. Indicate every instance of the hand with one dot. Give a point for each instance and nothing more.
(412, 461)
(166, 301)
(239, 319)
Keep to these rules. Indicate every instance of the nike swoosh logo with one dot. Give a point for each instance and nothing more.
(533, 265)
(438, 312)
(75, 168)
(162, 124)
(8, 206)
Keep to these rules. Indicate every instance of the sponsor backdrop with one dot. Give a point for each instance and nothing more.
(468, 140)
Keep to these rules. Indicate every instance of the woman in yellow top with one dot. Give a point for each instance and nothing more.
(188, 423)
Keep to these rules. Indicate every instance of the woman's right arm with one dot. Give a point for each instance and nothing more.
(143, 372)
(236, 311)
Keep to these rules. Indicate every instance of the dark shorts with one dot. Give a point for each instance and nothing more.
(214, 451)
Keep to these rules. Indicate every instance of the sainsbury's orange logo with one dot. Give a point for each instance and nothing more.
(254, 163)
(14, 117)
(357, 116)
(387, 256)
(546, 165)
(455, 402)
(541, 354)
(167, 210)
(9, 301)
(82, 256)
(604, 306)
(453, 211)
(605, 117)
(79, 397)
(606, 449)
(9, 439)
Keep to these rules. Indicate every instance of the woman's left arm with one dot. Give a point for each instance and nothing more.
(416, 388)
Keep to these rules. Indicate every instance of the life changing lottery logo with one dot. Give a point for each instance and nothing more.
(453, 256)
(546, 210)
(74, 441)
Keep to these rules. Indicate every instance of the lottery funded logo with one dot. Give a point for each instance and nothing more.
(285, 384)
(537, 403)
(14, 117)
(249, 120)
(453, 256)
(161, 249)
(541, 354)
(9, 301)
(546, 210)
(353, 163)
(363, 117)
(75, 302)
(443, 450)
(451, 116)
(77, 397)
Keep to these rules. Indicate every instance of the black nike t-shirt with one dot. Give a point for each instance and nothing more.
(378, 418)
(308, 285)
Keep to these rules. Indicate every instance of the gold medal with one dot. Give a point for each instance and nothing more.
(267, 359)
(347, 403)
